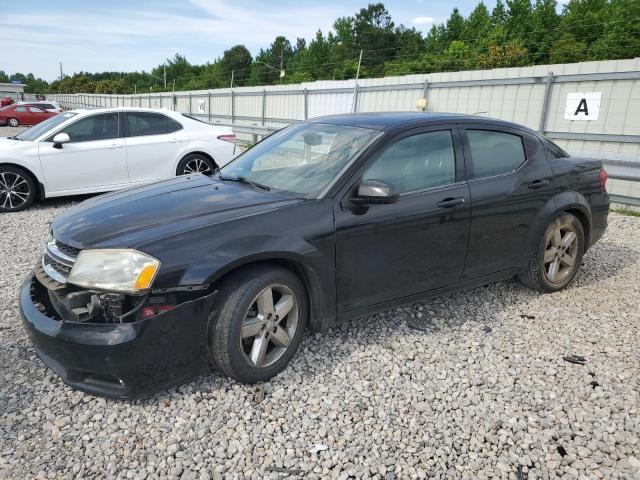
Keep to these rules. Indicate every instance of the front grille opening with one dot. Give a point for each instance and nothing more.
(57, 266)
(67, 249)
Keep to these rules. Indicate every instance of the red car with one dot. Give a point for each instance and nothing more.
(15, 115)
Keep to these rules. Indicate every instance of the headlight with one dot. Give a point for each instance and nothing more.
(118, 270)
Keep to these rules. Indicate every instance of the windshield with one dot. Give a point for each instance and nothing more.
(302, 159)
(43, 127)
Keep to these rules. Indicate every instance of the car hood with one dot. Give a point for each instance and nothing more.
(9, 143)
(140, 215)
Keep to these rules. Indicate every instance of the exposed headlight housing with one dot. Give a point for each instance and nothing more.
(114, 269)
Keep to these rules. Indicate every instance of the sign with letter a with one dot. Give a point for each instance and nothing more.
(582, 106)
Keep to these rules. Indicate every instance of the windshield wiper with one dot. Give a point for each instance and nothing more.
(246, 181)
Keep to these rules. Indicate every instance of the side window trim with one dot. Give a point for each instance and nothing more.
(468, 157)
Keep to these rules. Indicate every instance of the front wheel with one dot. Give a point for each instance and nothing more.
(17, 189)
(258, 323)
(13, 122)
(555, 261)
(195, 163)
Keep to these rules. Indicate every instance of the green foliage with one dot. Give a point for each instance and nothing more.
(515, 33)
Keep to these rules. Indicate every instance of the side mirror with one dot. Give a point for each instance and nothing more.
(59, 139)
(375, 192)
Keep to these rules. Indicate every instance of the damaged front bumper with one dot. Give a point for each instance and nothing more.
(119, 360)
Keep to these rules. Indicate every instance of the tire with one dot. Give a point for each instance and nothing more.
(556, 260)
(17, 189)
(240, 311)
(13, 122)
(196, 163)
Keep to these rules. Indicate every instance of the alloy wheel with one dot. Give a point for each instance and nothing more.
(14, 190)
(561, 253)
(13, 122)
(197, 165)
(269, 326)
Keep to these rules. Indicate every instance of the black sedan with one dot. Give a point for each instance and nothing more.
(324, 220)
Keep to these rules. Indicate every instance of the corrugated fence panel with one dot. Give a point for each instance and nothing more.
(514, 94)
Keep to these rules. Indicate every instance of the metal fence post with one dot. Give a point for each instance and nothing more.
(264, 106)
(189, 103)
(545, 103)
(233, 106)
(425, 93)
(355, 99)
(209, 104)
(306, 104)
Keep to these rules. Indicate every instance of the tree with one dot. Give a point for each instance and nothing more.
(237, 59)
(455, 26)
(621, 33)
(568, 50)
(544, 30)
(477, 27)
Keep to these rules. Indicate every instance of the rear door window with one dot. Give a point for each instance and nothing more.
(143, 124)
(494, 152)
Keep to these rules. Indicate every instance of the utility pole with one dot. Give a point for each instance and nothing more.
(232, 73)
(165, 76)
(281, 62)
(359, 62)
(61, 76)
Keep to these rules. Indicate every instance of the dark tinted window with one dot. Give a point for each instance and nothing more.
(554, 151)
(44, 106)
(172, 125)
(96, 127)
(146, 124)
(414, 163)
(494, 153)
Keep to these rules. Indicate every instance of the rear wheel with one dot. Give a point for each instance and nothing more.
(13, 122)
(196, 163)
(17, 189)
(258, 324)
(555, 262)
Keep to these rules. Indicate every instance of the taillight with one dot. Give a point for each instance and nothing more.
(603, 179)
(228, 137)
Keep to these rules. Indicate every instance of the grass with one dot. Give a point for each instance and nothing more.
(626, 211)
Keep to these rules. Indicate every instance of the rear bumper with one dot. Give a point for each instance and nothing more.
(122, 360)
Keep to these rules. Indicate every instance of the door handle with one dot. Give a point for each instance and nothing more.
(114, 146)
(173, 140)
(451, 202)
(538, 184)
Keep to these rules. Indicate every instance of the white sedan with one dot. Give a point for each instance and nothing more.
(100, 150)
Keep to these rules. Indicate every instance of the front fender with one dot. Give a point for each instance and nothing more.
(301, 236)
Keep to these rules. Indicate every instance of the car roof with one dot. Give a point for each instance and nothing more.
(92, 110)
(385, 120)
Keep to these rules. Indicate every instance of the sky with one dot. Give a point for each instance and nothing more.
(129, 35)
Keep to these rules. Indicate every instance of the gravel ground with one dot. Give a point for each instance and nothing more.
(471, 385)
